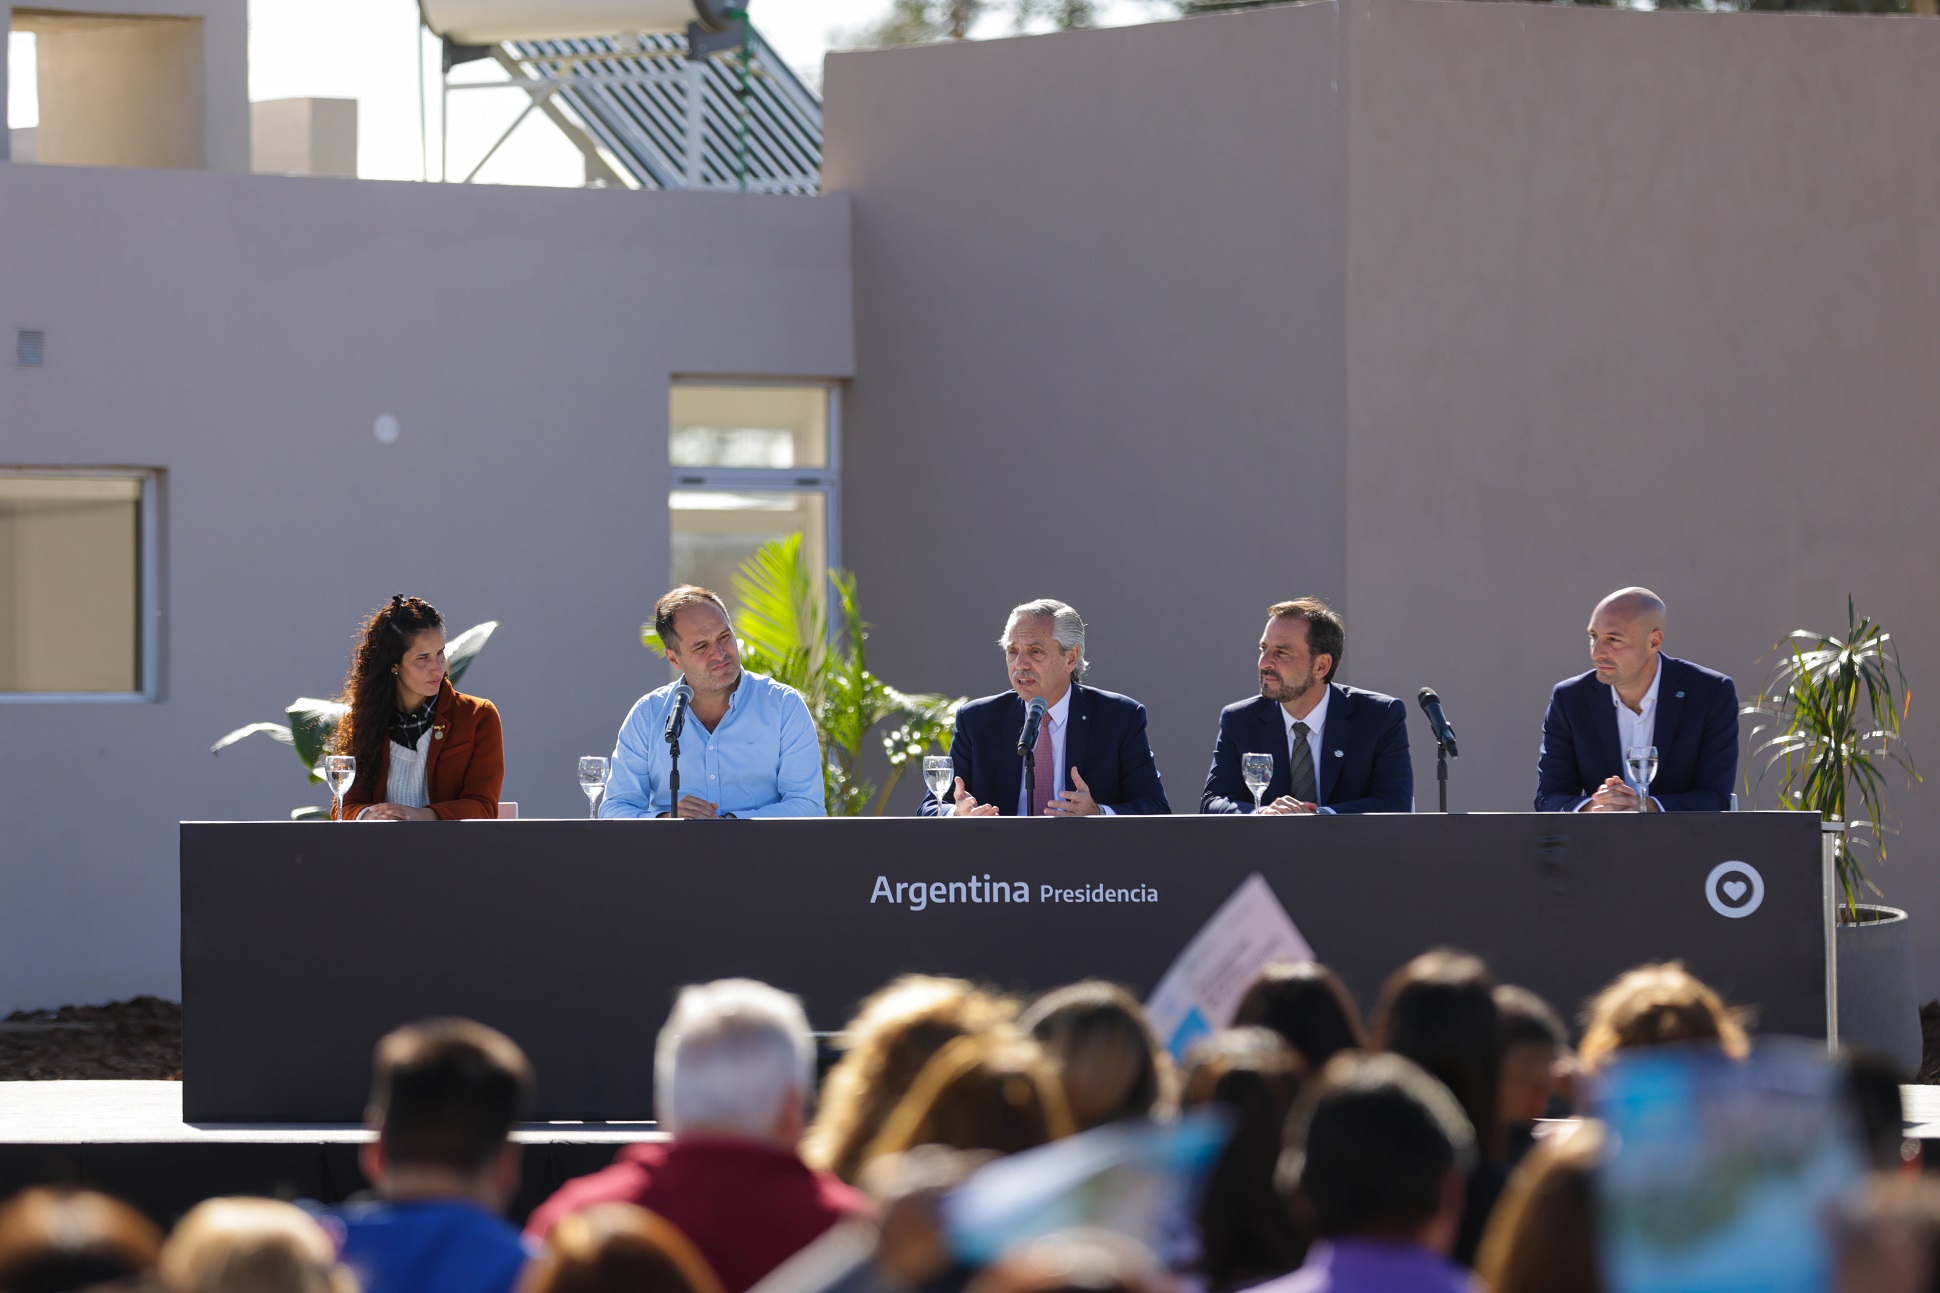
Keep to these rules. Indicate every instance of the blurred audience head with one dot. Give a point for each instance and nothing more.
(618, 1248)
(445, 1094)
(735, 1058)
(1306, 1003)
(986, 1092)
(1110, 1064)
(1872, 1089)
(1377, 1148)
(1534, 1042)
(898, 1030)
(53, 1241)
(1654, 1005)
(1439, 1011)
(1542, 1236)
(1075, 1261)
(1246, 1233)
(251, 1246)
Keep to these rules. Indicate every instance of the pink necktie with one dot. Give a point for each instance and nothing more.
(1046, 777)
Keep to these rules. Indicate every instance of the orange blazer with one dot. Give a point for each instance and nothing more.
(464, 768)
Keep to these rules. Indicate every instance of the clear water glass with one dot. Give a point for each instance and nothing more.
(1258, 771)
(339, 771)
(593, 772)
(939, 770)
(1640, 761)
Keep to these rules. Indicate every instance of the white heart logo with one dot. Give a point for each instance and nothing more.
(1734, 889)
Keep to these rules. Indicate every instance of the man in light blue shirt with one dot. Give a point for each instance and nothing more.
(747, 746)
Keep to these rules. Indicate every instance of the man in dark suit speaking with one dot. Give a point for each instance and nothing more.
(1637, 696)
(1335, 749)
(1091, 755)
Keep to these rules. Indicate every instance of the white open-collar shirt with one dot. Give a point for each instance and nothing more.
(1638, 728)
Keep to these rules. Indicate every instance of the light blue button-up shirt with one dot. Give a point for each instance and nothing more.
(762, 760)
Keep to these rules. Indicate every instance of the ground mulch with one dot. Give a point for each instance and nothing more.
(124, 1040)
(142, 1038)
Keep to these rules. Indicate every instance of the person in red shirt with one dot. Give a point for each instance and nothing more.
(732, 1072)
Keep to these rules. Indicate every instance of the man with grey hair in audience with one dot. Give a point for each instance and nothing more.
(733, 1069)
(1089, 754)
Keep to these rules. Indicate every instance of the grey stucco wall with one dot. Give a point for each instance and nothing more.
(1098, 351)
(242, 332)
(1640, 298)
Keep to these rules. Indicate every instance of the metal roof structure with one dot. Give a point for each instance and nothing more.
(646, 115)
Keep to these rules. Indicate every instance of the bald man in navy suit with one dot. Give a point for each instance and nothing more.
(1637, 696)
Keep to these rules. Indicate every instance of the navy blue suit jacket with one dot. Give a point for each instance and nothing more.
(1696, 734)
(1104, 740)
(1364, 763)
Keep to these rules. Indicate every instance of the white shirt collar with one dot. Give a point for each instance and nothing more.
(1316, 721)
(1062, 709)
(1648, 705)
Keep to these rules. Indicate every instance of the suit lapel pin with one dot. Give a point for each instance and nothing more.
(1680, 695)
(438, 733)
(1339, 755)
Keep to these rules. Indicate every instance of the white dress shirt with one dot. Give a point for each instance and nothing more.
(1316, 726)
(1639, 727)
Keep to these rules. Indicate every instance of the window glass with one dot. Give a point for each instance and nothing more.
(714, 531)
(749, 426)
(70, 584)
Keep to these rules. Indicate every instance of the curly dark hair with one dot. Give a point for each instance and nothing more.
(370, 690)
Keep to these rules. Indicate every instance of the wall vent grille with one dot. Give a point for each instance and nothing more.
(30, 348)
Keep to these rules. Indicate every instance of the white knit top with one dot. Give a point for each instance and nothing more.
(406, 785)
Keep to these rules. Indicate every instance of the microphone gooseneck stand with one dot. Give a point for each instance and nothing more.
(1441, 772)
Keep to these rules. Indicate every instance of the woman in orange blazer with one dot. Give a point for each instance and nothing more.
(425, 751)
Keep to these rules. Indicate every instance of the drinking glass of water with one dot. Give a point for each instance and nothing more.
(939, 770)
(1641, 762)
(593, 770)
(1258, 771)
(339, 770)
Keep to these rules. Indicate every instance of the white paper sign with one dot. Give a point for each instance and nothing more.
(1202, 990)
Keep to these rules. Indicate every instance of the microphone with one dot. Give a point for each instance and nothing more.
(1033, 715)
(1431, 705)
(678, 718)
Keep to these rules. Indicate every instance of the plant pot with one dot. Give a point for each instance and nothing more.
(1877, 1005)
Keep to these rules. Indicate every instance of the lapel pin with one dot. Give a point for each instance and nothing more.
(1339, 755)
(437, 733)
(1680, 695)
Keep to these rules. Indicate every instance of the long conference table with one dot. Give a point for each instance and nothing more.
(302, 945)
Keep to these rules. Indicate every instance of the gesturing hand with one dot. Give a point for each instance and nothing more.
(1073, 803)
(967, 805)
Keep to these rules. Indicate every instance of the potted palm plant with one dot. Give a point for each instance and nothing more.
(1830, 713)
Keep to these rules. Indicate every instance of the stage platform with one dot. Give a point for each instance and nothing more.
(129, 1139)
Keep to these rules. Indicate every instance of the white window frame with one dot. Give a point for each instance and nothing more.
(768, 480)
(148, 592)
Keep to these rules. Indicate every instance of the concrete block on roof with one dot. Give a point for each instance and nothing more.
(303, 137)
